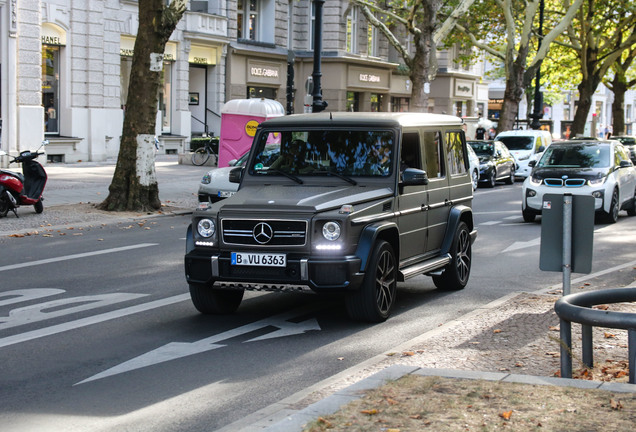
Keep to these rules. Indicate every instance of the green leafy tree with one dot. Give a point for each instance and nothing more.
(425, 23)
(601, 31)
(507, 31)
(134, 185)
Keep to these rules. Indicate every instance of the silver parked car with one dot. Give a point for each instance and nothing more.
(215, 184)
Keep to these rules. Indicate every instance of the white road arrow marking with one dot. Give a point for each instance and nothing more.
(176, 350)
(523, 245)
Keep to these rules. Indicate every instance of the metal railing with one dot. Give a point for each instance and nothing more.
(578, 308)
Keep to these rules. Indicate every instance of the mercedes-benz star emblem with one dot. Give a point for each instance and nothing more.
(263, 233)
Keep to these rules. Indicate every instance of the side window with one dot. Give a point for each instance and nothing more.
(410, 157)
(432, 145)
(455, 153)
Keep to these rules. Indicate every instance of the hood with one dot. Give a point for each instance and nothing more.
(299, 198)
(573, 173)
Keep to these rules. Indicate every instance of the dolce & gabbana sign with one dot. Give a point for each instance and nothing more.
(263, 73)
(368, 78)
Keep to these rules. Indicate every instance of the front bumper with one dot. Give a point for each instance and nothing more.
(533, 196)
(321, 274)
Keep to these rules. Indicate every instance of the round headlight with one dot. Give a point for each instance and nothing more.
(206, 228)
(331, 231)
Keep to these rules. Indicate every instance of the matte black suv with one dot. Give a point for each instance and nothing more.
(339, 202)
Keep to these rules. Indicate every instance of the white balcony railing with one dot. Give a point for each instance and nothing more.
(205, 24)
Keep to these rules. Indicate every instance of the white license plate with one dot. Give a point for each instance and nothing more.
(225, 194)
(259, 259)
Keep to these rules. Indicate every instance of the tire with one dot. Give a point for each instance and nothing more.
(511, 180)
(200, 156)
(4, 207)
(612, 216)
(456, 274)
(373, 301)
(528, 216)
(475, 178)
(492, 179)
(211, 301)
(38, 206)
(631, 211)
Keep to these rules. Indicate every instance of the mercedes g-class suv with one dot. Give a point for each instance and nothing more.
(338, 202)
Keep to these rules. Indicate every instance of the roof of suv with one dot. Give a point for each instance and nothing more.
(364, 119)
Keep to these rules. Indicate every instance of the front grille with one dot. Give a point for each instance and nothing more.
(554, 182)
(246, 232)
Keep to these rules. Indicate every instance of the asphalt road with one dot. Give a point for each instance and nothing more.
(97, 331)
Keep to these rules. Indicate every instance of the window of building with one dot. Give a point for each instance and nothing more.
(353, 101)
(376, 102)
(372, 41)
(455, 153)
(312, 24)
(50, 88)
(400, 104)
(247, 19)
(352, 30)
(261, 92)
(165, 97)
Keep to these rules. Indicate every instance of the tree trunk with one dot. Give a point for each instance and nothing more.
(134, 185)
(587, 87)
(512, 96)
(619, 87)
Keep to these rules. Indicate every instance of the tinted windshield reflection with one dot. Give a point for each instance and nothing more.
(345, 152)
(583, 156)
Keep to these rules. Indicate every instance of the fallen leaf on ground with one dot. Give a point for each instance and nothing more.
(408, 353)
(601, 307)
(506, 415)
(370, 411)
(609, 335)
(616, 404)
(497, 331)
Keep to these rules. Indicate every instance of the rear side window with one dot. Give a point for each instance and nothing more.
(457, 163)
(432, 145)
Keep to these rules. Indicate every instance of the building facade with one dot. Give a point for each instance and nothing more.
(65, 66)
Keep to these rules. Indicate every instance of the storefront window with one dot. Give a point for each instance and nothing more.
(261, 92)
(50, 87)
(399, 104)
(353, 101)
(376, 102)
(165, 97)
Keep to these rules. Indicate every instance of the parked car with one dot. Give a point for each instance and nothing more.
(215, 184)
(353, 204)
(495, 162)
(473, 166)
(630, 144)
(598, 168)
(525, 145)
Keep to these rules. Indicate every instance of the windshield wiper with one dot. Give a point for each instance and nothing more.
(277, 171)
(331, 173)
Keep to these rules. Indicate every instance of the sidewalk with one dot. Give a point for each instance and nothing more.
(513, 339)
(73, 190)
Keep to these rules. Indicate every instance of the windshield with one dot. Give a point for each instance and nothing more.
(576, 156)
(483, 148)
(317, 152)
(517, 142)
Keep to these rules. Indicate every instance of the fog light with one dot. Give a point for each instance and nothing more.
(597, 194)
(531, 193)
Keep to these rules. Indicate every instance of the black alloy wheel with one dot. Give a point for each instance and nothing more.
(631, 211)
(492, 178)
(528, 216)
(612, 216)
(373, 301)
(511, 180)
(455, 275)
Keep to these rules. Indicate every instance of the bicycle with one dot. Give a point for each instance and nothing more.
(203, 154)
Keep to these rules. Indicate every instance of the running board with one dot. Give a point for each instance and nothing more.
(425, 267)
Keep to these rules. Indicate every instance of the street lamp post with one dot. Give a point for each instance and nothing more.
(318, 104)
(537, 112)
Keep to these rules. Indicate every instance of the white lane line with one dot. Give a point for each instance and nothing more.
(490, 223)
(603, 272)
(75, 256)
(71, 325)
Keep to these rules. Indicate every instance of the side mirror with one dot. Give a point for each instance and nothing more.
(235, 175)
(414, 177)
(626, 164)
(232, 162)
(532, 163)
